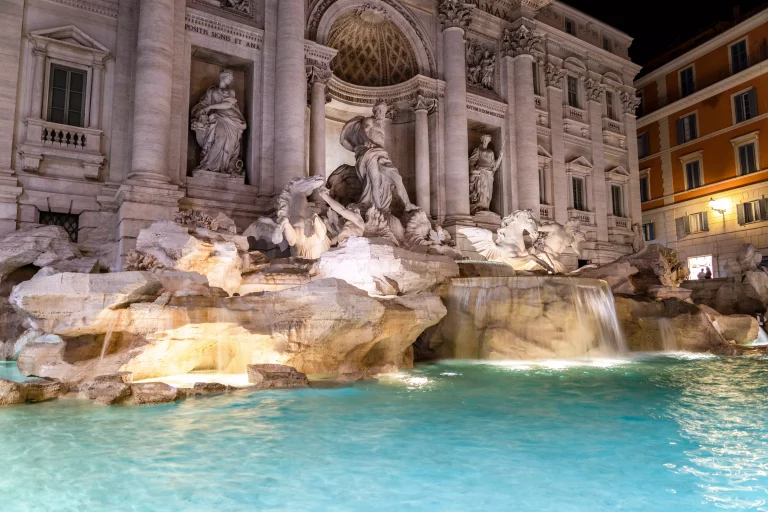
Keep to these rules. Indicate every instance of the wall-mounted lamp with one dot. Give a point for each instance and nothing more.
(717, 206)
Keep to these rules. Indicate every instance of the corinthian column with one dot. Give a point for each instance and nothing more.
(520, 44)
(152, 99)
(290, 90)
(421, 107)
(318, 76)
(455, 16)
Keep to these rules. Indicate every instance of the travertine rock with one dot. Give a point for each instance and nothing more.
(276, 376)
(653, 266)
(218, 256)
(106, 392)
(742, 329)
(151, 393)
(127, 322)
(10, 329)
(380, 268)
(12, 393)
(39, 245)
(691, 329)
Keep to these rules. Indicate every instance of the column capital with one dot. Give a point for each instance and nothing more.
(630, 102)
(521, 41)
(424, 103)
(455, 14)
(554, 76)
(595, 90)
(317, 72)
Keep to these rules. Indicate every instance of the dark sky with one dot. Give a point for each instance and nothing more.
(657, 25)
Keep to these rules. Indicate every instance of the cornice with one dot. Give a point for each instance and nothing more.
(699, 96)
(704, 48)
(486, 106)
(93, 6)
(251, 37)
(405, 92)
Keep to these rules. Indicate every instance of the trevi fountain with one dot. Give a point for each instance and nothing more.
(440, 332)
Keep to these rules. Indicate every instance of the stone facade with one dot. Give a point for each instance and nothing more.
(98, 127)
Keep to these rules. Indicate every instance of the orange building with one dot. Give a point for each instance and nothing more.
(702, 129)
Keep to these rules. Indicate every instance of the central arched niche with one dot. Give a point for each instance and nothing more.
(373, 51)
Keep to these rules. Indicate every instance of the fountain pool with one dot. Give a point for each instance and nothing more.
(649, 434)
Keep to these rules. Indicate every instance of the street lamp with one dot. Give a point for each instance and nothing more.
(716, 207)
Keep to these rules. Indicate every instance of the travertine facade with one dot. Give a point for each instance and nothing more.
(98, 121)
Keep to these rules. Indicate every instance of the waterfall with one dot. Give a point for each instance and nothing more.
(528, 317)
(762, 338)
(667, 335)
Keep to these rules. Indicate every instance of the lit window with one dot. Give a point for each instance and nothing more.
(693, 175)
(739, 57)
(649, 231)
(66, 220)
(573, 91)
(607, 44)
(698, 265)
(66, 103)
(570, 26)
(579, 202)
(694, 223)
(686, 129)
(645, 189)
(616, 201)
(752, 211)
(643, 146)
(747, 159)
(745, 105)
(687, 84)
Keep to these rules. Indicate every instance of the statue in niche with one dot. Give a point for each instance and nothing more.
(483, 165)
(364, 136)
(219, 125)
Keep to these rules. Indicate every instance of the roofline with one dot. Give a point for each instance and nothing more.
(704, 48)
(581, 13)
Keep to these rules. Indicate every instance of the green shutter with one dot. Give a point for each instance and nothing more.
(740, 214)
(680, 223)
(752, 102)
(704, 221)
(763, 209)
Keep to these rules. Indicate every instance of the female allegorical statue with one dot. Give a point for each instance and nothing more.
(483, 164)
(219, 126)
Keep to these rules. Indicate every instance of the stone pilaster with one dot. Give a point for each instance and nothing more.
(599, 203)
(318, 77)
(36, 111)
(507, 176)
(456, 17)
(421, 108)
(148, 194)
(520, 44)
(290, 91)
(555, 77)
(630, 103)
(95, 119)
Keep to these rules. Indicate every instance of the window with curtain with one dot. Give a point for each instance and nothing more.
(693, 175)
(66, 98)
(745, 105)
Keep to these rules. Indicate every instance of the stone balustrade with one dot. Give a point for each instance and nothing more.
(586, 218)
(575, 114)
(44, 138)
(547, 212)
(611, 125)
(615, 222)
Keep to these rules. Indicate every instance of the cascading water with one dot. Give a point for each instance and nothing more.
(528, 317)
(667, 335)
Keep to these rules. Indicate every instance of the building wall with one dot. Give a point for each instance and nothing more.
(717, 130)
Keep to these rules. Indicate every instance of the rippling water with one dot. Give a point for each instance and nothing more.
(655, 434)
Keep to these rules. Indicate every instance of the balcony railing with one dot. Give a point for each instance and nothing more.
(615, 222)
(66, 137)
(575, 113)
(46, 139)
(586, 218)
(611, 125)
(547, 212)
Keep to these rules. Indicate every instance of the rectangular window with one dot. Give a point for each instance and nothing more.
(739, 57)
(616, 201)
(687, 85)
(645, 189)
(694, 223)
(542, 185)
(693, 175)
(752, 211)
(536, 88)
(68, 221)
(747, 159)
(649, 231)
(745, 105)
(570, 26)
(573, 91)
(579, 202)
(607, 44)
(641, 106)
(686, 129)
(643, 145)
(610, 104)
(66, 104)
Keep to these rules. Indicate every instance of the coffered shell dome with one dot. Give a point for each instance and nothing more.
(373, 51)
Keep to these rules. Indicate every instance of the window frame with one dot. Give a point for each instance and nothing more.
(697, 156)
(645, 175)
(572, 22)
(743, 92)
(649, 231)
(739, 142)
(744, 40)
(692, 67)
(695, 115)
(611, 112)
(52, 62)
(577, 92)
(584, 205)
(621, 210)
(646, 137)
(758, 209)
(69, 70)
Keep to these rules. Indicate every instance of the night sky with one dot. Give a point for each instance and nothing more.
(658, 25)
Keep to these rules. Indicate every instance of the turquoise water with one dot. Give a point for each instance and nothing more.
(656, 434)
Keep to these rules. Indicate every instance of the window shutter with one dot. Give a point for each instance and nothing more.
(704, 221)
(763, 209)
(651, 234)
(680, 226)
(680, 131)
(694, 133)
(752, 99)
(740, 214)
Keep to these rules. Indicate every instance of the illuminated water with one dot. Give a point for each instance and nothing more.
(661, 434)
